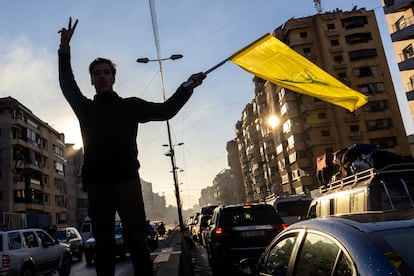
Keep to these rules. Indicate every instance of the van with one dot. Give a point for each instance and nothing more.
(391, 188)
(291, 208)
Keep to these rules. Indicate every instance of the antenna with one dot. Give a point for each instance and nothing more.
(318, 6)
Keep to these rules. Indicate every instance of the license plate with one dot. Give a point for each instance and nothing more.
(253, 233)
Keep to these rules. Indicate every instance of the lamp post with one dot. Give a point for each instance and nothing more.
(171, 154)
(170, 144)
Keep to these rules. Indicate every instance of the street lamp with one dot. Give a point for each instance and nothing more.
(170, 144)
(146, 60)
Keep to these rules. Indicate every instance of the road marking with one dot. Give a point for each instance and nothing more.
(164, 255)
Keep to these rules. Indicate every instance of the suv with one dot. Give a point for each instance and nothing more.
(31, 252)
(71, 236)
(240, 231)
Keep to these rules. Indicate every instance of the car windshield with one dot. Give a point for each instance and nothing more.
(249, 216)
(397, 245)
(60, 234)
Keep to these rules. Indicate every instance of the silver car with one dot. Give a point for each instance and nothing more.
(32, 252)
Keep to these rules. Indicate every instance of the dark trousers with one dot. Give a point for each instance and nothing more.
(126, 198)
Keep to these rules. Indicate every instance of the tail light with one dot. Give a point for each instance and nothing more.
(280, 226)
(222, 230)
(6, 260)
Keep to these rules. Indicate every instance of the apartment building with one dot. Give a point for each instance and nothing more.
(399, 16)
(32, 169)
(282, 159)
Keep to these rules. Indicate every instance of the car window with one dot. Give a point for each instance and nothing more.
(277, 259)
(45, 238)
(14, 240)
(318, 256)
(60, 234)
(30, 239)
(249, 216)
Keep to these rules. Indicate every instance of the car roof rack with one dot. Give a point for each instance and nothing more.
(366, 176)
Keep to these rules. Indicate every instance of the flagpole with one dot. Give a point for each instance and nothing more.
(187, 83)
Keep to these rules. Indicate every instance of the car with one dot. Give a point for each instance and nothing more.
(390, 188)
(291, 208)
(201, 225)
(240, 231)
(370, 243)
(33, 251)
(71, 236)
(120, 245)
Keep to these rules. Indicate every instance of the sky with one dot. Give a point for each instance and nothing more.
(204, 32)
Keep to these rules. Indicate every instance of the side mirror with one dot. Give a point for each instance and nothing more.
(46, 244)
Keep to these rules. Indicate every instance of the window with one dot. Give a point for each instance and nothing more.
(330, 26)
(385, 142)
(31, 240)
(303, 34)
(322, 116)
(59, 168)
(334, 42)
(375, 106)
(358, 38)
(400, 23)
(408, 52)
(339, 59)
(44, 238)
(319, 255)
(325, 133)
(354, 22)
(14, 240)
(277, 259)
(363, 54)
(307, 52)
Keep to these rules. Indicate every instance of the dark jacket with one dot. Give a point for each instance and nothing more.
(109, 126)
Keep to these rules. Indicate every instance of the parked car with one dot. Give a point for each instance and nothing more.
(31, 252)
(240, 231)
(71, 236)
(374, 243)
(120, 245)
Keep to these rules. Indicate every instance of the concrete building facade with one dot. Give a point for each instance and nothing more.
(283, 159)
(32, 167)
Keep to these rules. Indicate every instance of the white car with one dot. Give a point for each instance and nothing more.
(32, 252)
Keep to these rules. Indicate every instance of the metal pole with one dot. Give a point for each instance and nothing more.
(174, 171)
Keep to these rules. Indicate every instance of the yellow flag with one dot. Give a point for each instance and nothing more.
(272, 60)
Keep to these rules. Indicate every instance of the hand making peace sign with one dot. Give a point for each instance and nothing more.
(66, 35)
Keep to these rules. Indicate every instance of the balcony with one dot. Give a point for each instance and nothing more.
(403, 31)
(392, 6)
(407, 64)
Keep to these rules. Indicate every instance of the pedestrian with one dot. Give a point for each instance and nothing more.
(109, 125)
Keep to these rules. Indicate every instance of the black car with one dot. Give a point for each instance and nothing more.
(71, 236)
(240, 231)
(120, 245)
